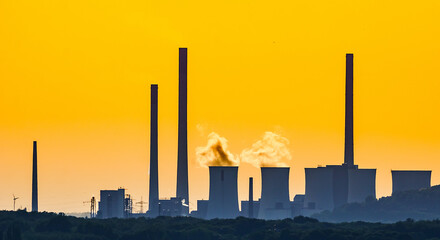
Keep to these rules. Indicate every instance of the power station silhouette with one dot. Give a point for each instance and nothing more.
(325, 189)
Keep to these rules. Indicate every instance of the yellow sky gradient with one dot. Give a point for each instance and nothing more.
(75, 76)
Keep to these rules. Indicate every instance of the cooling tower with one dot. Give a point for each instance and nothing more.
(182, 151)
(319, 189)
(326, 187)
(361, 184)
(275, 201)
(153, 203)
(410, 180)
(34, 179)
(223, 193)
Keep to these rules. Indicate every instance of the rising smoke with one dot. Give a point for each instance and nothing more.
(216, 152)
(271, 151)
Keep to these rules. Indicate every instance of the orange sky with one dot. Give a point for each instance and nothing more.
(75, 76)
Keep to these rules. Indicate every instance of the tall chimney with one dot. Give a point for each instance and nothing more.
(182, 158)
(154, 175)
(34, 180)
(349, 152)
(251, 198)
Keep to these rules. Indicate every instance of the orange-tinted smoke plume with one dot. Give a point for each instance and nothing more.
(216, 152)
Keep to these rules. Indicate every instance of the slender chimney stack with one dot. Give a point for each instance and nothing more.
(154, 175)
(182, 158)
(34, 180)
(251, 197)
(349, 152)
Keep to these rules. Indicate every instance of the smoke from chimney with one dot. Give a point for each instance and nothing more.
(216, 152)
(271, 151)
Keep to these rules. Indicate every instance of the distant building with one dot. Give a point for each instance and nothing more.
(173, 207)
(297, 205)
(111, 204)
(202, 209)
(114, 204)
(410, 180)
(245, 208)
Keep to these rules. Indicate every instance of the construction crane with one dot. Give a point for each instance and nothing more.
(141, 203)
(15, 199)
(92, 207)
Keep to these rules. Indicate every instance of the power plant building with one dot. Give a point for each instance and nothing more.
(173, 207)
(334, 185)
(245, 209)
(275, 201)
(223, 192)
(410, 180)
(111, 204)
(202, 209)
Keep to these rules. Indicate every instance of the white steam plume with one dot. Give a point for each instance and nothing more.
(271, 151)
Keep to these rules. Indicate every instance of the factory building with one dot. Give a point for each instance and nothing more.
(297, 205)
(202, 209)
(410, 180)
(112, 204)
(275, 201)
(223, 192)
(245, 209)
(173, 207)
(334, 185)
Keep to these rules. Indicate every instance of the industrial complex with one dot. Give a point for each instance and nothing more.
(325, 187)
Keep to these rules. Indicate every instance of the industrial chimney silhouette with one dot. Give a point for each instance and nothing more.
(223, 192)
(251, 198)
(153, 202)
(182, 155)
(275, 201)
(34, 179)
(349, 151)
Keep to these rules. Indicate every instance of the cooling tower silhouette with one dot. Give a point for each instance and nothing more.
(275, 200)
(223, 192)
(410, 180)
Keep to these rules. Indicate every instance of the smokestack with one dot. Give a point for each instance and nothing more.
(182, 158)
(275, 201)
(154, 175)
(34, 180)
(251, 197)
(223, 192)
(349, 152)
